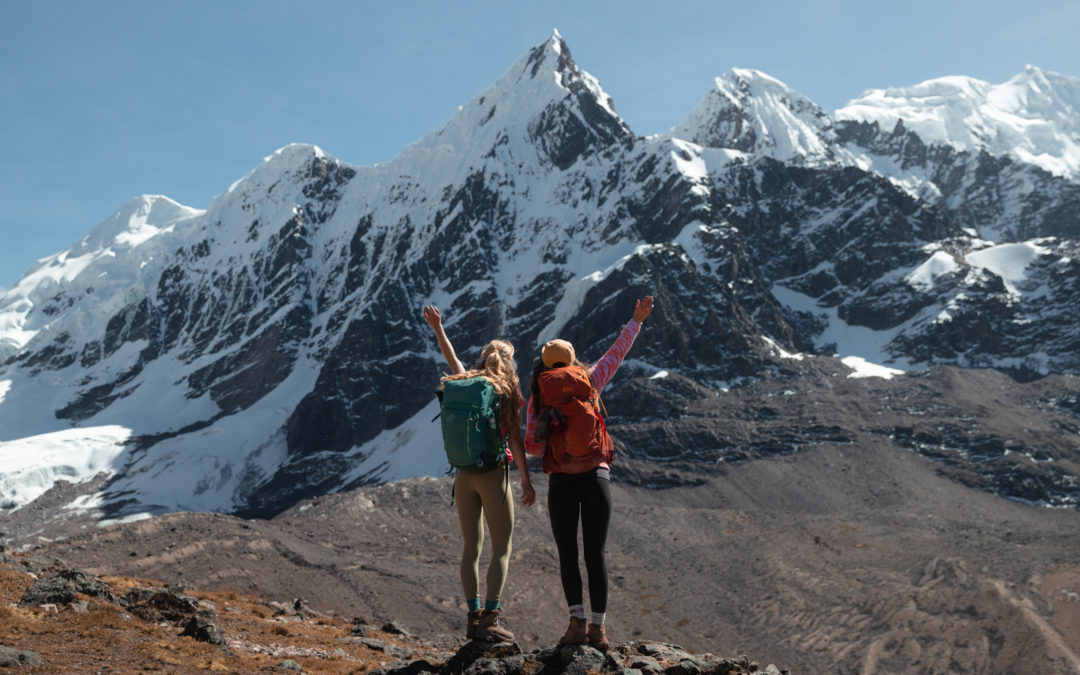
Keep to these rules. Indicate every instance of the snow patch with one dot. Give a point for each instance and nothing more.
(780, 351)
(86, 503)
(1008, 261)
(410, 450)
(862, 368)
(689, 162)
(859, 341)
(134, 517)
(575, 290)
(924, 276)
(30, 466)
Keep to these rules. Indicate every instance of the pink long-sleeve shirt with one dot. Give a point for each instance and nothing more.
(600, 373)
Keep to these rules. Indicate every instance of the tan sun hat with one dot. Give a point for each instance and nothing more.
(557, 351)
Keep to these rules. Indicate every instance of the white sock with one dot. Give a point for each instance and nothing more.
(577, 611)
(598, 618)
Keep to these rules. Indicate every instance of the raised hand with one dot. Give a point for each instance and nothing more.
(433, 316)
(642, 308)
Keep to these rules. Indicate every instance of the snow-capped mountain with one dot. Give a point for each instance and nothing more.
(1033, 118)
(750, 111)
(271, 347)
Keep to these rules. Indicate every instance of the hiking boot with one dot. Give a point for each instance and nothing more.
(471, 626)
(598, 637)
(488, 628)
(575, 634)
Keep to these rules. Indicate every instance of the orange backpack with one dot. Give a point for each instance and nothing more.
(577, 438)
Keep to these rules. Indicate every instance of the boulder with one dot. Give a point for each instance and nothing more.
(204, 626)
(161, 604)
(15, 657)
(62, 588)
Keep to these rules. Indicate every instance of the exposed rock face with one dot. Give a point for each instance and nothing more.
(205, 627)
(62, 588)
(160, 604)
(642, 656)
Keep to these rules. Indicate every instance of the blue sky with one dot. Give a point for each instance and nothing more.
(102, 101)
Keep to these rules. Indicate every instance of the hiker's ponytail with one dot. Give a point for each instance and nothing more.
(496, 365)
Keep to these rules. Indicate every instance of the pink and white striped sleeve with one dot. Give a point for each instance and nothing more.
(605, 368)
(531, 446)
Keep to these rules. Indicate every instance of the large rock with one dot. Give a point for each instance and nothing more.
(16, 657)
(63, 587)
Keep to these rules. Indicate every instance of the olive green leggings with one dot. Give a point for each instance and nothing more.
(486, 494)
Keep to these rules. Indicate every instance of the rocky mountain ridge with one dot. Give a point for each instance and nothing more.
(270, 348)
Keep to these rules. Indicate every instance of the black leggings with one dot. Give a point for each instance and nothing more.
(590, 499)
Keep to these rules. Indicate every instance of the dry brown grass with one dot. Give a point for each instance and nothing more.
(107, 638)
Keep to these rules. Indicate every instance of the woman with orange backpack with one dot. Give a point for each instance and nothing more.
(486, 493)
(564, 425)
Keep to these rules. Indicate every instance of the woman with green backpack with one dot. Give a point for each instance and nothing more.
(565, 426)
(483, 490)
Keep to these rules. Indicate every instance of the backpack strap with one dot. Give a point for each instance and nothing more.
(438, 395)
(599, 403)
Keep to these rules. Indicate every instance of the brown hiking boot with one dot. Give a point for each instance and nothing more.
(575, 634)
(488, 628)
(598, 637)
(471, 626)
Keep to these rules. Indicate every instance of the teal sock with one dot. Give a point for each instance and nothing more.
(474, 604)
(490, 605)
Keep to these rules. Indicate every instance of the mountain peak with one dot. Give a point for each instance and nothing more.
(1033, 117)
(1039, 93)
(543, 102)
(294, 164)
(752, 111)
(135, 222)
(751, 76)
(553, 54)
(286, 159)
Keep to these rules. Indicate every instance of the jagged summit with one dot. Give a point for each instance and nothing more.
(283, 162)
(544, 108)
(751, 111)
(554, 52)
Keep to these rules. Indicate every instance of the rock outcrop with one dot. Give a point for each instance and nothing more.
(71, 621)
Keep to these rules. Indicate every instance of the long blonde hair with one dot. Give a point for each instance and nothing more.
(496, 365)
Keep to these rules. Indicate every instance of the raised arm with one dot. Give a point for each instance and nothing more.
(605, 368)
(434, 319)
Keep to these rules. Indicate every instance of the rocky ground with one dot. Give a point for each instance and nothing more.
(852, 551)
(59, 619)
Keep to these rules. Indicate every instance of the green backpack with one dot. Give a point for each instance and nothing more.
(472, 435)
